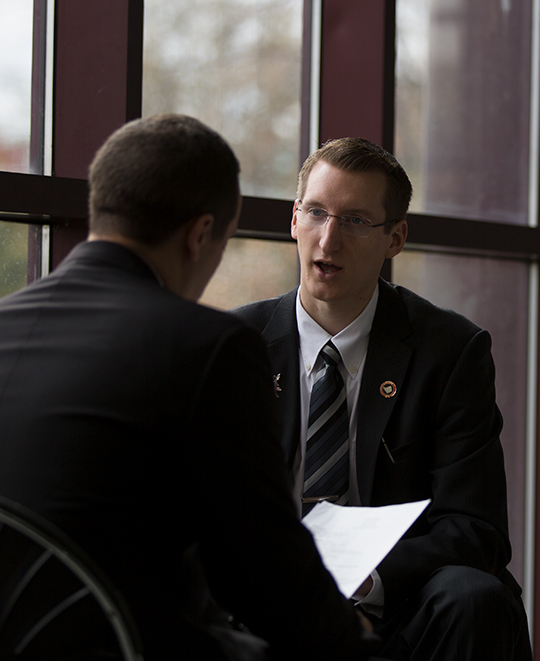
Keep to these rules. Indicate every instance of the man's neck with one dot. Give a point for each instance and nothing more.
(163, 259)
(332, 316)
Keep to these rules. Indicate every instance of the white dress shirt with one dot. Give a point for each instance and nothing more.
(352, 344)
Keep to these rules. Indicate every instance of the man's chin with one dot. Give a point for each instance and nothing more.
(324, 293)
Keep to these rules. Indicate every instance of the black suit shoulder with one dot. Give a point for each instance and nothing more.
(431, 331)
(400, 311)
(423, 314)
(260, 313)
(105, 280)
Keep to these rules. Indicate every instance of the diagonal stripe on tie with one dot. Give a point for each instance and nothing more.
(327, 443)
(328, 464)
(336, 478)
(326, 414)
(327, 446)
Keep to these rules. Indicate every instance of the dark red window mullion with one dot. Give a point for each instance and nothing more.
(95, 91)
(357, 73)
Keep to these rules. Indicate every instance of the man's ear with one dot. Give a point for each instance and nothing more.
(398, 236)
(198, 236)
(294, 221)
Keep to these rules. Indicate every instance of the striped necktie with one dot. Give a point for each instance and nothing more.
(327, 447)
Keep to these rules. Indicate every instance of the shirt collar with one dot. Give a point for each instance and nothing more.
(351, 341)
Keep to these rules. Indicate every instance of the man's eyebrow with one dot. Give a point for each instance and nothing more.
(349, 212)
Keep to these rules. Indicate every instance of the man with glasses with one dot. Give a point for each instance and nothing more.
(386, 399)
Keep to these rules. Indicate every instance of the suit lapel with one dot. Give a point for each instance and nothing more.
(387, 360)
(281, 337)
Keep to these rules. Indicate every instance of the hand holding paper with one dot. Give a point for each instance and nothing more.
(352, 541)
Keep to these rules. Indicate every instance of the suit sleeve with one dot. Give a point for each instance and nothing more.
(466, 523)
(260, 561)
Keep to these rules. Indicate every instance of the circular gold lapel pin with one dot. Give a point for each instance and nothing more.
(388, 389)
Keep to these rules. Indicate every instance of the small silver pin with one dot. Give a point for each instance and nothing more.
(277, 389)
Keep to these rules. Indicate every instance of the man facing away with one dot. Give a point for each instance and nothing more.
(385, 398)
(142, 424)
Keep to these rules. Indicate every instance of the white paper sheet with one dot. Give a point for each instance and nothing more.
(353, 540)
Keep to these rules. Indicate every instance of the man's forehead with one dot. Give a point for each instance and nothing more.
(351, 186)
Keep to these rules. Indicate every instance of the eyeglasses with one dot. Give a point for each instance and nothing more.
(314, 218)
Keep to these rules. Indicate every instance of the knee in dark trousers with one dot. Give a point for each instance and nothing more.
(464, 614)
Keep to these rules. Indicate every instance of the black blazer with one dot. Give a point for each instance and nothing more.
(144, 426)
(437, 437)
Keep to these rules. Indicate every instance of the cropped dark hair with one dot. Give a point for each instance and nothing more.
(155, 174)
(360, 155)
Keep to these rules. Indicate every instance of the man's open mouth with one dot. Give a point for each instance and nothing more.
(328, 268)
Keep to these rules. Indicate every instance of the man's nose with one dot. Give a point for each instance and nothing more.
(331, 235)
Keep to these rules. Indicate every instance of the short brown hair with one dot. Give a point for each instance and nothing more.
(361, 155)
(154, 174)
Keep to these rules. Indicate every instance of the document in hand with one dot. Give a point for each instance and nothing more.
(353, 540)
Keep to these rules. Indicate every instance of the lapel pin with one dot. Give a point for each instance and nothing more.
(388, 389)
(277, 389)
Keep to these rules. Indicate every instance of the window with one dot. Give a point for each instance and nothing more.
(236, 65)
(15, 84)
(465, 80)
(463, 99)
(492, 293)
(252, 269)
(13, 257)
(23, 246)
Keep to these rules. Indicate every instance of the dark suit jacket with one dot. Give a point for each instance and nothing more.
(143, 425)
(441, 430)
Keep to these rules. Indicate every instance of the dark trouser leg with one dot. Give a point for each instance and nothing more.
(461, 614)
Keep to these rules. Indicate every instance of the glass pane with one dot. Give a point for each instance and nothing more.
(13, 257)
(493, 293)
(234, 64)
(15, 83)
(462, 106)
(252, 269)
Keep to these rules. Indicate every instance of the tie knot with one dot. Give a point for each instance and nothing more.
(330, 354)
